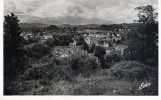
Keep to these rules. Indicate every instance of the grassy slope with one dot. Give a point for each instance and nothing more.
(95, 85)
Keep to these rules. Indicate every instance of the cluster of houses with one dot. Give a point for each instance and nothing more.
(102, 39)
(108, 40)
(43, 35)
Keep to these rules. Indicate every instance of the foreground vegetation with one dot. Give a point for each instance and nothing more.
(52, 79)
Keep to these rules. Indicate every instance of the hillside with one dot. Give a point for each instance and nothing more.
(31, 25)
(62, 20)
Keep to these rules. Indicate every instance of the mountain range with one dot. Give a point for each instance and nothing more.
(61, 20)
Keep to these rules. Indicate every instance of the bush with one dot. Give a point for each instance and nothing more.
(102, 62)
(130, 70)
(63, 40)
(47, 72)
(116, 56)
(80, 41)
(50, 42)
(91, 48)
(33, 40)
(84, 64)
(112, 58)
(99, 51)
(36, 50)
(85, 46)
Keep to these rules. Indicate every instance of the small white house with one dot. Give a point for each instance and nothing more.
(73, 44)
(120, 48)
(28, 35)
(87, 40)
(106, 44)
(47, 36)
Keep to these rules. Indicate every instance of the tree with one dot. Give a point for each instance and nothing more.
(12, 45)
(113, 57)
(52, 28)
(142, 41)
(12, 32)
(80, 40)
(85, 46)
(99, 51)
(146, 14)
(91, 48)
(12, 38)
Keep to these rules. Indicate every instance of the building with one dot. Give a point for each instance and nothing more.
(72, 44)
(88, 40)
(27, 35)
(47, 36)
(120, 48)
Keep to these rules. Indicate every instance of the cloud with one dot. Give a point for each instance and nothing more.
(119, 11)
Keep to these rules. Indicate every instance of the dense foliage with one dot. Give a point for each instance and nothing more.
(99, 51)
(62, 40)
(36, 50)
(12, 47)
(142, 41)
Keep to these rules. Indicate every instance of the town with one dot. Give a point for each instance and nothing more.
(110, 40)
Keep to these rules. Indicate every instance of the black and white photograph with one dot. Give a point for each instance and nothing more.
(80, 47)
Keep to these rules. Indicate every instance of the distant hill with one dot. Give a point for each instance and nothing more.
(91, 26)
(65, 25)
(83, 26)
(35, 19)
(87, 26)
(38, 25)
(61, 20)
(118, 26)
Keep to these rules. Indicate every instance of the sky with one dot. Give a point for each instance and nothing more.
(117, 11)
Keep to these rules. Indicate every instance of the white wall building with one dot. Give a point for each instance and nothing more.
(47, 36)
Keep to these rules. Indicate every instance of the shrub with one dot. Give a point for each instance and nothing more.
(47, 72)
(116, 56)
(130, 70)
(36, 50)
(50, 42)
(99, 51)
(63, 40)
(102, 63)
(83, 64)
(85, 46)
(80, 41)
(91, 48)
(33, 40)
(112, 58)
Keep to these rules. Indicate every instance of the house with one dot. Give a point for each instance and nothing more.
(106, 44)
(27, 35)
(47, 36)
(72, 44)
(120, 48)
(88, 40)
(109, 50)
